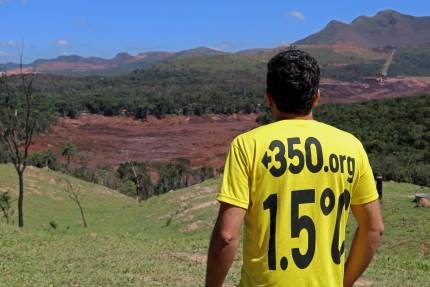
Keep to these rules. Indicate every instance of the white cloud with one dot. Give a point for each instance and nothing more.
(298, 15)
(285, 43)
(62, 42)
(223, 46)
(6, 56)
(8, 43)
(23, 2)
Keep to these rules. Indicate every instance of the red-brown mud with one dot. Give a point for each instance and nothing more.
(203, 140)
(114, 140)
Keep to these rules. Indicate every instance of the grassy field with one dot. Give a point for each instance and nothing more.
(163, 241)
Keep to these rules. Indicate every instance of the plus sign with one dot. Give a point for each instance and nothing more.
(266, 160)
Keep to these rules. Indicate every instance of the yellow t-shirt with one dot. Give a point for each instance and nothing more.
(297, 180)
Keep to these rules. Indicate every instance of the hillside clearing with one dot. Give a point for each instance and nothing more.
(163, 241)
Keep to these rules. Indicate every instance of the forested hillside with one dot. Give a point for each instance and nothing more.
(219, 84)
(411, 61)
(395, 132)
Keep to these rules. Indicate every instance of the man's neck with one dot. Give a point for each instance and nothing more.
(283, 116)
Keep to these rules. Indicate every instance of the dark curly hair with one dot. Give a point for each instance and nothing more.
(293, 78)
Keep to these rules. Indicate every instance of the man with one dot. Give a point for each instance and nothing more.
(293, 183)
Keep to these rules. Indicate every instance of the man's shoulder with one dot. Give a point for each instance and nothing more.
(339, 132)
(253, 135)
(265, 132)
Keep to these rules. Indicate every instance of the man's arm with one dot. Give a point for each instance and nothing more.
(365, 242)
(223, 244)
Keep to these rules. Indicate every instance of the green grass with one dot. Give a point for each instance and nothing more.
(163, 241)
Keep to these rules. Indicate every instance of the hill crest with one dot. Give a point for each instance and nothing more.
(386, 28)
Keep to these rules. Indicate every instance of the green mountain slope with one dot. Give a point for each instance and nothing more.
(216, 84)
(163, 241)
(160, 242)
(411, 61)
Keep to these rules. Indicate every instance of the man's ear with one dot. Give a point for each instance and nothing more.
(316, 99)
(269, 100)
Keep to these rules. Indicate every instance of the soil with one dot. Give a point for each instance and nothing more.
(334, 91)
(115, 140)
(204, 140)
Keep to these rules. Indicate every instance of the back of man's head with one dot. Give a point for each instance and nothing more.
(293, 78)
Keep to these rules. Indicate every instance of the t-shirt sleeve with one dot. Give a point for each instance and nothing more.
(365, 189)
(235, 182)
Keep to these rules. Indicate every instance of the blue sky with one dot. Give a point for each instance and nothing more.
(51, 28)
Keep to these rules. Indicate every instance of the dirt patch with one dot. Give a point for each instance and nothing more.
(424, 250)
(198, 258)
(32, 187)
(185, 197)
(334, 91)
(3, 189)
(364, 282)
(193, 226)
(196, 193)
(388, 245)
(204, 205)
(93, 236)
(115, 140)
(197, 207)
(207, 190)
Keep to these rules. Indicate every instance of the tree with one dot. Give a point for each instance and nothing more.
(138, 173)
(68, 152)
(43, 159)
(20, 118)
(6, 206)
(141, 113)
(74, 193)
(184, 169)
(137, 181)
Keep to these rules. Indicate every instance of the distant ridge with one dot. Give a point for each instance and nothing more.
(199, 52)
(122, 62)
(386, 28)
(368, 39)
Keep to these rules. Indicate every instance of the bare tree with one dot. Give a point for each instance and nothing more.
(137, 179)
(17, 126)
(74, 193)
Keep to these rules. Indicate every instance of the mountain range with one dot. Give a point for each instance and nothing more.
(386, 30)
